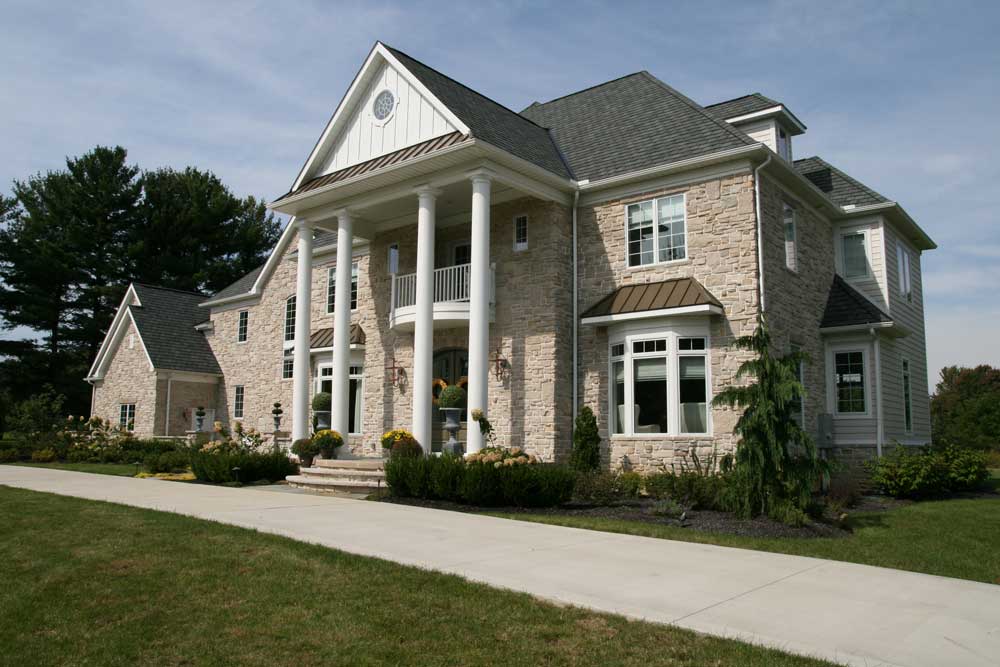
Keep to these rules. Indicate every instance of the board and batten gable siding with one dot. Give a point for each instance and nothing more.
(912, 347)
(413, 120)
(129, 378)
(874, 286)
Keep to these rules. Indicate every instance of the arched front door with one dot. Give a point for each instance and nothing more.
(450, 367)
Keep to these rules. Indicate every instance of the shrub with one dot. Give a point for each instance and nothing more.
(46, 455)
(327, 442)
(172, 461)
(451, 396)
(305, 448)
(586, 454)
(668, 508)
(217, 466)
(390, 438)
(606, 488)
(925, 473)
(691, 489)
(322, 401)
(8, 454)
(407, 449)
(38, 415)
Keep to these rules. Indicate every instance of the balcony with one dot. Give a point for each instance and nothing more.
(451, 298)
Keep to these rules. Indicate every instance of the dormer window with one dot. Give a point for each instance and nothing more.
(784, 144)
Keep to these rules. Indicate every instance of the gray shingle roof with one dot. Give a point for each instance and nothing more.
(631, 123)
(241, 286)
(845, 306)
(741, 106)
(838, 186)
(488, 120)
(166, 321)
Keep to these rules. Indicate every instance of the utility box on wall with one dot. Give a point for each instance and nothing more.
(824, 427)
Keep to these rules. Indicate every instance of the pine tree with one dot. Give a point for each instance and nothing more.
(775, 464)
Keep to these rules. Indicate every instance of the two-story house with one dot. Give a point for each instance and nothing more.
(601, 249)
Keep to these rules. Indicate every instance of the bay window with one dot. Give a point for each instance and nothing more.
(656, 230)
(659, 385)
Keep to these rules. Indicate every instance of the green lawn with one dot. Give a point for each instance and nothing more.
(119, 469)
(953, 538)
(94, 583)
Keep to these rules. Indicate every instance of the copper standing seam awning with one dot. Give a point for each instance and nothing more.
(323, 338)
(680, 295)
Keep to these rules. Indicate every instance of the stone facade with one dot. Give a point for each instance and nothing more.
(129, 379)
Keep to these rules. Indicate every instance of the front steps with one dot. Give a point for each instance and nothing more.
(355, 476)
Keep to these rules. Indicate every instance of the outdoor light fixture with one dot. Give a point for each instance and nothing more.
(395, 373)
(501, 367)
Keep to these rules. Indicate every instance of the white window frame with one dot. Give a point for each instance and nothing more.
(242, 326)
(904, 268)
(392, 258)
(671, 357)
(866, 374)
(356, 372)
(656, 232)
(791, 247)
(331, 288)
(521, 245)
(126, 414)
(239, 401)
(866, 233)
(906, 389)
(289, 321)
(287, 362)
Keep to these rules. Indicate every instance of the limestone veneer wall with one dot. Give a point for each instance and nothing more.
(129, 379)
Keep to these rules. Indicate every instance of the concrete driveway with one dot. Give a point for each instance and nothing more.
(852, 614)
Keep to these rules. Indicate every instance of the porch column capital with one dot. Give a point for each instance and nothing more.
(427, 192)
(304, 225)
(481, 175)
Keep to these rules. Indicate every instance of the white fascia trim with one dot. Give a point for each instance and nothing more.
(347, 103)
(649, 314)
(857, 327)
(205, 326)
(891, 207)
(771, 111)
(663, 169)
(188, 376)
(119, 315)
(97, 373)
(319, 350)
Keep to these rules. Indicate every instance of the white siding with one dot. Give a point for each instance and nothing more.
(874, 286)
(910, 315)
(763, 131)
(852, 429)
(414, 119)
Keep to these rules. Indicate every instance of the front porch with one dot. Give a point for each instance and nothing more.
(452, 298)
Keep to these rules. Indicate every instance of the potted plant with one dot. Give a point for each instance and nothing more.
(321, 408)
(451, 402)
(276, 412)
(306, 450)
(327, 442)
(199, 417)
(391, 438)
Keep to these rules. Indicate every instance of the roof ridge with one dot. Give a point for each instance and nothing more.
(457, 82)
(741, 97)
(582, 90)
(169, 289)
(701, 110)
(848, 177)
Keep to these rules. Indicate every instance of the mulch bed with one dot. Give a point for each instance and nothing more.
(640, 511)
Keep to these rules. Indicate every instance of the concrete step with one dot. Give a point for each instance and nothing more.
(350, 464)
(359, 473)
(334, 485)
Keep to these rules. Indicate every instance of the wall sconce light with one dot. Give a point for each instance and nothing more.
(395, 373)
(501, 367)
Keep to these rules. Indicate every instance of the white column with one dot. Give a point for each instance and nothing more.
(341, 404)
(423, 333)
(479, 306)
(303, 304)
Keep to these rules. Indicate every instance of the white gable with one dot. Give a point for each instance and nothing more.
(414, 118)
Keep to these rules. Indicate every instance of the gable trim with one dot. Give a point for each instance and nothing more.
(115, 323)
(116, 334)
(376, 56)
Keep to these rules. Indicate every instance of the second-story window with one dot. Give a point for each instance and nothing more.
(393, 259)
(791, 246)
(290, 318)
(854, 255)
(657, 231)
(903, 268)
(520, 232)
(242, 328)
(331, 288)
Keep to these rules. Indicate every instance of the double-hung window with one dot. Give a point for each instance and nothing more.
(903, 268)
(656, 231)
(126, 415)
(791, 244)
(243, 326)
(849, 369)
(520, 232)
(239, 394)
(355, 393)
(907, 398)
(287, 366)
(854, 254)
(331, 288)
(290, 318)
(659, 385)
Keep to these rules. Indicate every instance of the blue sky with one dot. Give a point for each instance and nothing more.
(902, 95)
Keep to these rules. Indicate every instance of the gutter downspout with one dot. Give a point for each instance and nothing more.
(880, 426)
(760, 232)
(576, 322)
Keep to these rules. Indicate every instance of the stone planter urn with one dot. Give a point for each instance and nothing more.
(322, 420)
(452, 425)
(199, 418)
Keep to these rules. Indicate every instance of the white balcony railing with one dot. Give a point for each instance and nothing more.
(451, 285)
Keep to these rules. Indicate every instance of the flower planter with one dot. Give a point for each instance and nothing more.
(322, 419)
(452, 425)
